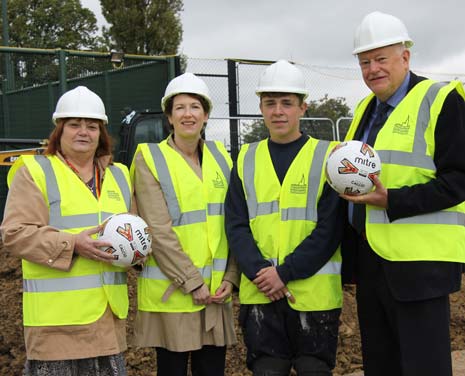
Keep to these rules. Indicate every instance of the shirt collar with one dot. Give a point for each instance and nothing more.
(399, 94)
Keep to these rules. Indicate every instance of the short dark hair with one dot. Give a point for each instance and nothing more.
(274, 94)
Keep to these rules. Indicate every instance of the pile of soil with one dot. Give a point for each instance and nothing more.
(141, 362)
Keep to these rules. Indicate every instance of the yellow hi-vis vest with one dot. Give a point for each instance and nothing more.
(196, 208)
(406, 146)
(79, 296)
(282, 216)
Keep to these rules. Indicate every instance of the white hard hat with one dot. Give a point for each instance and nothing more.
(129, 236)
(282, 77)
(187, 83)
(80, 103)
(379, 30)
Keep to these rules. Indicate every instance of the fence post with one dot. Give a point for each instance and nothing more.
(62, 64)
(232, 98)
(6, 109)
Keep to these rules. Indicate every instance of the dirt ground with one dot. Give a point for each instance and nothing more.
(141, 362)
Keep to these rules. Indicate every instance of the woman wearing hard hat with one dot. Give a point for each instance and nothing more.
(74, 300)
(407, 236)
(184, 290)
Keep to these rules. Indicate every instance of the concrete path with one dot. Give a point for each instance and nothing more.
(458, 361)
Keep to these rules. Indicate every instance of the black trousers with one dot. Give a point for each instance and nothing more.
(402, 338)
(279, 338)
(208, 361)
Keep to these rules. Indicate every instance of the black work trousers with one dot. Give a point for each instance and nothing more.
(207, 361)
(402, 338)
(279, 338)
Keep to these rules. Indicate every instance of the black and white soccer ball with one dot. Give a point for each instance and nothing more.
(351, 166)
(129, 236)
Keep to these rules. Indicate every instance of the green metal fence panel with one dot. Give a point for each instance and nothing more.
(30, 112)
(35, 79)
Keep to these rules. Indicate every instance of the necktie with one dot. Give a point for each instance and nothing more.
(381, 115)
(369, 136)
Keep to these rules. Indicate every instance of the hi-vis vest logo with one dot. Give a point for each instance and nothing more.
(114, 195)
(402, 128)
(300, 188)
(218, 182)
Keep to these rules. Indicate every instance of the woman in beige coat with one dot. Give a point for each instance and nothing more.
(204, 327)
(74, 301)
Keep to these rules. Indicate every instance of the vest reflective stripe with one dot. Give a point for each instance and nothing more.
(73, 283)
(122, 184)
(249, 186)
(79, 220)
(215, 209)
(88, 287)
(154, 272)
(416, 158)
(331, 267)
(436, 218)
(185, 218)
(406, 145)
(54, 199)
(404, 158)
(423, 119)
(263, 208)
(280, 224)
(196, 208)
(309, 213)
(178, 218)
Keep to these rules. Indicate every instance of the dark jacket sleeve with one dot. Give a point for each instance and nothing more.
(240, 239)
(319, 246)
(447, 189)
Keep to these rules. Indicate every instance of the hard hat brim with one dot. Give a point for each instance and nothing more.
(65, 115)
(407, 43)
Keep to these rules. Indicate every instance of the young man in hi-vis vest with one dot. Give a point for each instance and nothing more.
(284, 226)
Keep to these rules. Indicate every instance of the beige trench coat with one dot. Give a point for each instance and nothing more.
(213, 325)
(27, 235)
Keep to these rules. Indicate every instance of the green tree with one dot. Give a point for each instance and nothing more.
(150, 27)
(47, 24)
(254, 131)
(51, 24)
(328, 108)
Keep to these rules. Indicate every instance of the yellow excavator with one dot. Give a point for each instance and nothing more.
(8, 157)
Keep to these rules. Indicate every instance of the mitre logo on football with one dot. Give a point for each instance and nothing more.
(129, 236)
(347, 167)
(125, 231)
(351, 167)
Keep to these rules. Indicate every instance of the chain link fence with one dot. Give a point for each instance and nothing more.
(335, 82)
(232, 86)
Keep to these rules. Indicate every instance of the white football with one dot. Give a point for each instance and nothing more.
(350, 167)
(130, 238)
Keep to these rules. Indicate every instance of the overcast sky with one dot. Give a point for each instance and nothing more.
(317, 32)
